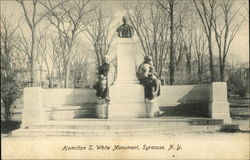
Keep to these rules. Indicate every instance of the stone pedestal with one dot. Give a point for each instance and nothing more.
(219, 106)
(34, 110)
(101, 108)
(152, 107)
(127, 95)
(126, 62)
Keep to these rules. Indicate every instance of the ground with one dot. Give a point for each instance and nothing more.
(240, 112)
(188, 146)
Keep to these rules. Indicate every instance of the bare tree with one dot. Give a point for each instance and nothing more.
(179, 54)
(169, 7)
(151, 25)
(78, 66)
(98, 32)
(225, 27)
(200, 49)
(58, 58)
(232, 64)
(7, 42)
(171, 65)
(11, 65)
(206, 10)
(67, 20)
(184, 36)
(33, 20)
(237, 76)
(49, 55)
(23, 46)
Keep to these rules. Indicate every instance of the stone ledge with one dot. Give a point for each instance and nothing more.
(230, 127)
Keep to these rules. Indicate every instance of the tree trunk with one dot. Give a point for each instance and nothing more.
(199, 76)
(211, 56)
(97, 57)
(33, 76)
(67, 74)
(189, 71)
(7, 113)
(222, 77)
(222, 68)
(50, 82)
(171, 65)
(200, 67)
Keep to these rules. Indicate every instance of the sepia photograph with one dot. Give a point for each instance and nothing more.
(125, 79)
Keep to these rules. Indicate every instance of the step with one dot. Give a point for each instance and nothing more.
(115, 132)
(232, 127)
(125, 123)
(193, 109)
(137, 126)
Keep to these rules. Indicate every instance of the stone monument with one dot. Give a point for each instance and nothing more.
(126, 95)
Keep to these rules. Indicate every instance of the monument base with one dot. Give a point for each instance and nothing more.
(220, 110)
(219, 106)
(101, 108)
(152, 108)
(127, 101)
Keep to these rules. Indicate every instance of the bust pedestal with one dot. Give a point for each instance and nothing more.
(126, 95)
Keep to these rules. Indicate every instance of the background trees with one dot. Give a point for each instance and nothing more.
(60, 43)
(151, 26)
(98, 31)
(206, 11)
(169, 7)
(225, 28)
(200, 52)
(11, 65)
(188, 40)
(237, 76)
(51, 58)
(33, 18)
(196, 33)
(67, 20)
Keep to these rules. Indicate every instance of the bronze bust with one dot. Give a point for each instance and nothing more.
(125, 30)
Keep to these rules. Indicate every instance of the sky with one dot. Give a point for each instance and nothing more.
(239, 47)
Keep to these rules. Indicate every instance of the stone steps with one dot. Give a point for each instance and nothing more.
(126, 123)
(113, 132)
(129, 127)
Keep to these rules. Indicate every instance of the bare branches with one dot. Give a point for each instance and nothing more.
(225, 27)
(206, 10)
(25, 13)
(46, 14)
(67, 18)
(32, 22)
(170, 10)
(97, 29)
(12, 59)
(152, 30)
